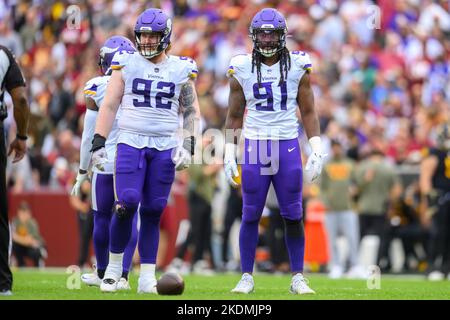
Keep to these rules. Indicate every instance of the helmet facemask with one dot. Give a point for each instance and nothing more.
(102, 64)
(104, 61)
(268, 41)
(153, 44)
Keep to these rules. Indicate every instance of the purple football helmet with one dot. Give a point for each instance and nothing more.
(268, 31)
(154, 22)
(109, 48)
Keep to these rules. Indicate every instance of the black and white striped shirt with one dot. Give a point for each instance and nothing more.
(10, 77)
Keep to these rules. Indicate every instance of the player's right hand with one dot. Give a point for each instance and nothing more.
(230, 166)
(99, 158)
(314, 166)
(76, 190)
(231, 171)
(181, 158)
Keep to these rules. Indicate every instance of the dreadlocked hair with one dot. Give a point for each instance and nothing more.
(285, 64)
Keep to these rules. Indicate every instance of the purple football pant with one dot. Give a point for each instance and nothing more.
(265, 162)
(142, 176)
(102, 205)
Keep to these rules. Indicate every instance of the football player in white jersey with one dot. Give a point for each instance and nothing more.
(271, 84)
(102, 181)
(151, 88)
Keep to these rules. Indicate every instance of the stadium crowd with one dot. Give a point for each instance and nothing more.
(381, 74)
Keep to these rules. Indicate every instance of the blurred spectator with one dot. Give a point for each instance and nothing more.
(403, 222)
(377, 185)
(202, 185)
(27, 241)
(82, 205)
(435, 193)
(60, 103)
(61, 177)
(9, 38)
(335, 184)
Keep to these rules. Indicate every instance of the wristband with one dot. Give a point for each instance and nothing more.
(98, 142)
(316, 144)
(189, 144)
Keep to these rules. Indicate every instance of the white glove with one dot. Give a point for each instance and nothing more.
(315, 161)
(181, 158)
(99, 158)
(81, 177)
(230, 164)
(314, 166)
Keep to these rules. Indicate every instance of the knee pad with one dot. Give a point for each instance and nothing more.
(150, 213)
(128, 204)
(292, 211)
(294, 228)
(251, 213)
(158, 205)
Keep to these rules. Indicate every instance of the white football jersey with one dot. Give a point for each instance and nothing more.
(95, 89)
(271, 107)
(150, 106)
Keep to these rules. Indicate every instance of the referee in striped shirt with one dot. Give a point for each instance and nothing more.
(11, 80)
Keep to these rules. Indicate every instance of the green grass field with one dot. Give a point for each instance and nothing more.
(52, 285)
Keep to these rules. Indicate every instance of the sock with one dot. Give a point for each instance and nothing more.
(125, 274)
(114, 269)
(148, 270)
(101, 273)
(248, 240)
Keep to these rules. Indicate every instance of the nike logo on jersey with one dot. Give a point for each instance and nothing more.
(290, 150)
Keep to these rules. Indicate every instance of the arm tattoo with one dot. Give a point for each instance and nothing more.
(187, 95)
(187, 101)
(190, 120)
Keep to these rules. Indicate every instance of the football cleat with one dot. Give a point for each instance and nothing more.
(245, 285)
(91, 279)
(299, 285)
(147, 285)
(123, 284)
(108, 285)
(6, 293)
(112, 275)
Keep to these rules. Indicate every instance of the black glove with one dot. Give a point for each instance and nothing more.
(98, 142)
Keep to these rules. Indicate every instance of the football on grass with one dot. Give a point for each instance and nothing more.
(170, 283)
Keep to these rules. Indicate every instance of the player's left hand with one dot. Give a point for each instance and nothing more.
(81, 177)
(314, 165)
(181, 158)
(99, 158)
